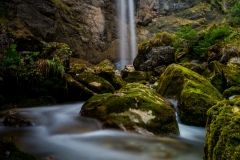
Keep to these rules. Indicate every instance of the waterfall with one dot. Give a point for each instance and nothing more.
(127, 47)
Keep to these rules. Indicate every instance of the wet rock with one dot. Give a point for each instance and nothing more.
(15, 121)
(119, 110)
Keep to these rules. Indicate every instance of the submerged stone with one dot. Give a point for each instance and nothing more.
(194, 93)
(136, 108)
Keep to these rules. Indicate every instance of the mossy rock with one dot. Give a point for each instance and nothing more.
(127, 69)
(232, 74)
(78, 65)
(194, 93)
(223, 139)
(136, 76)
(214, 73)
(160, 39)
(234, 90)
(105, 69)
(15, 153)
(95, 83)
(76, 90)
(2, 100)
(41, 101)
(133, 106)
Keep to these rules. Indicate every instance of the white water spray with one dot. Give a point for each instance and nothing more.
(127, 47)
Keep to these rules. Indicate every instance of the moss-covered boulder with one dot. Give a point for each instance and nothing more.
(155, 52)
(232, 73)
(127, 69)
(9, 151)
(136, 76)
(95, 83)
(41, 101)
(222, 139)
(135, 107)
(76, 90)
(78, 65)
(194, 93)
(232, 91)
(106, 70)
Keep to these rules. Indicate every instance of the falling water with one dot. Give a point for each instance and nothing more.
(127, 49)
(132, 29)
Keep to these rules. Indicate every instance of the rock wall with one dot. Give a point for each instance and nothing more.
(88, 26)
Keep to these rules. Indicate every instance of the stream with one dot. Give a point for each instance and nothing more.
(61, 133)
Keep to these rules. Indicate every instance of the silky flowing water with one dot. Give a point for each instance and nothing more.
(60, 132)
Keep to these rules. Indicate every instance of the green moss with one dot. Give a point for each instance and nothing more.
(160, 39)
(76, 90)
(95, 83)
(15, 153)
(195, 93)
(105, 69)
(223, 139)
(234, 90)
(136, 76)
(121, 109)
(214, 73)
(231, 73)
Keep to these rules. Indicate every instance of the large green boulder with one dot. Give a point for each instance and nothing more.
(94, 83)
(223, 138)
(194, 93)
(135, 107)
(106, 70)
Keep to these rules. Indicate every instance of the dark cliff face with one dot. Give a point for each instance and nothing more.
(88, 26)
